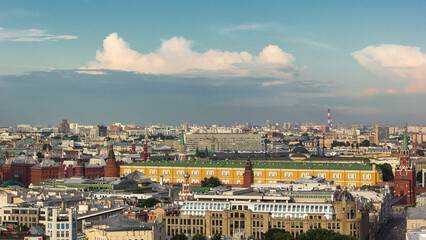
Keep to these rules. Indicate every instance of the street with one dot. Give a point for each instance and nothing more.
(395, 230)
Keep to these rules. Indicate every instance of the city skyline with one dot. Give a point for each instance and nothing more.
(207, 63)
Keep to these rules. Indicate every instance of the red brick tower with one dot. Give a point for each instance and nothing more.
(248, 177)
(79, 168)
(405, 175)
(111, 168)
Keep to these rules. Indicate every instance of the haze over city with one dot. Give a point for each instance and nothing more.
(212, 62)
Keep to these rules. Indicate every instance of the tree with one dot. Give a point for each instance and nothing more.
(210, 182)
(387, 172)
(150, 202)
(277, 234)
(365, 143)
(21, 228)
(419, 176)
(199, 237)
(323, 234)
(39, 155)
(179, 236)
(217, 236)
(337, 144)
(420, 153)
(167, 157)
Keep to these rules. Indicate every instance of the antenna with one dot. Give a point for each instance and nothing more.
(330, 120)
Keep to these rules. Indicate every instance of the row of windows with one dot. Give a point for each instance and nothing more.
(292, 208)
(13, 218)
(204, 206)
(59, 225)
(256, 174)
(185, 221)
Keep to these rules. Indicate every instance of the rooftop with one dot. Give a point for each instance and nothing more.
(255, 164)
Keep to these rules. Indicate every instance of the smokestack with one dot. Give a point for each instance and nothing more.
(330, 120)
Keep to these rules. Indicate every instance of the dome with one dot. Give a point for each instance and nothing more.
(299, 150)
(186, 175)
(344, 196)
(12, 182)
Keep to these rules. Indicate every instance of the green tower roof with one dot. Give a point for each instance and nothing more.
(405, 141)
(182, 137)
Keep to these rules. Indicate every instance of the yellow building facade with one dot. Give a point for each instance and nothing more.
(230, 172)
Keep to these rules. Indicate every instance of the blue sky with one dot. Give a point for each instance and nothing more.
(212, 62)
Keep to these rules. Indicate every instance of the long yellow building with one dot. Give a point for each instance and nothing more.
(230, 172)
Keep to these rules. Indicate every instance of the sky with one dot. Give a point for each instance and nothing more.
(212, 62)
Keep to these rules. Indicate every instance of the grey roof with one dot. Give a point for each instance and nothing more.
(416, 213)
(120, 222)
(36, 230)
(139, 177)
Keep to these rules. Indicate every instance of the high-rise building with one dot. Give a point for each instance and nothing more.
(60, 224)
(98, 131)
(382, 134)
(64, 127)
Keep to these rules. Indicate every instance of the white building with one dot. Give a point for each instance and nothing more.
(60, 224)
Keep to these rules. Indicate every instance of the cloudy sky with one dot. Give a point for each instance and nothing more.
(212, 62)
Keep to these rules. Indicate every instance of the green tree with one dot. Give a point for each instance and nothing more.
(39, 155)
(420, 153)
(323, 234)
(387, 172)
(217, 236)
(210, 182)
(167, 157)
(337, 144)
(365, 143)
(419, 176)
(277, 234)
(21, 228)
(179, 236)
(199, 237)
(150, 202)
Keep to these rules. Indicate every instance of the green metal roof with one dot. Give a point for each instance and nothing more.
(405, 141)
(12, 182)
(255, 165)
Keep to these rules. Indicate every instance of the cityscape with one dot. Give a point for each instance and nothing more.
(222, 120)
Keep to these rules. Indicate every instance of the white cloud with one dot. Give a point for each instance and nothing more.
(273, 83)
(310, 42)
(90, 72)
(245, 27)
(30, 35)
(370, 91)
(396, 61)
(175, 56)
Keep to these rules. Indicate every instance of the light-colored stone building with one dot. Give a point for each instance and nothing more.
(416, 218)
(242, 213)
(123, 228)
(223, 141)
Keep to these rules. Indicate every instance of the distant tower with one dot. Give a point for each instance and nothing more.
(79, 168)
(248, 177)
(111, 168)
(186, 194)
(354, 139)
(329, 121)
(182, 148)
(145, 150)
(405, 174)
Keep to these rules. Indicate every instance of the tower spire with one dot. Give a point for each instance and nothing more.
(405, 141)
